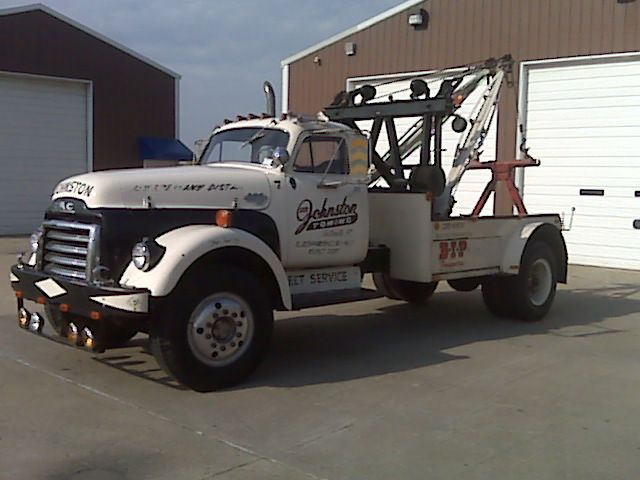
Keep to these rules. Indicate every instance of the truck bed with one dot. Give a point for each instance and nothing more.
(423, 250)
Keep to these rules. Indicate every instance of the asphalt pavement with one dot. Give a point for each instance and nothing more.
(369, 390)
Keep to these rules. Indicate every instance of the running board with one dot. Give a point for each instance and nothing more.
(320, 299)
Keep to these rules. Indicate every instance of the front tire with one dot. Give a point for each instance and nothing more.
(214, 336)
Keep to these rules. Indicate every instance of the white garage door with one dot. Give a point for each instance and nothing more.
(583, 122)
(43, 138)
(473, 182)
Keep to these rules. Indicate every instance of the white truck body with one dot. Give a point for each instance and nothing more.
(277, 215)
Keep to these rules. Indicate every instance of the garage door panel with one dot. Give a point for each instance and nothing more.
(620, 116)
(615, 186)
(594, 134)
(583, 122)
(622, 218)
(591, 89)
(575, 147)
(43, 138)
(615, 163)
(569, 171)
(586, 104)
(586, 72)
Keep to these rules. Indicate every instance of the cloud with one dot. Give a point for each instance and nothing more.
(224, 50)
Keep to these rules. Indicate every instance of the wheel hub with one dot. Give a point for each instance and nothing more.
(540, 282)
(220, 329)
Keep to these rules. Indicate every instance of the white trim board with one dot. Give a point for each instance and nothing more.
(350, 31)
(285, 88)
(39, 6)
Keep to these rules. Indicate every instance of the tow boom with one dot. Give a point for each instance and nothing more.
(426, 132)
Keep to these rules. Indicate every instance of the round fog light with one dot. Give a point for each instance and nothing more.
(23, 318)
(73, 333)
(87, 339)
(36, 323)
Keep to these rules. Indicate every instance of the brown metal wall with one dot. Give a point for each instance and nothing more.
(465, 31)
(130, 98)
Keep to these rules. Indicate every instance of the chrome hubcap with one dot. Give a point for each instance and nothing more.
(540, 282)
(220, 329)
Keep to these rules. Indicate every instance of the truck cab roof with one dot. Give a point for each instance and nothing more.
(293, 124)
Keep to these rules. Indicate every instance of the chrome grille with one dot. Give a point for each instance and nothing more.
(70, 249)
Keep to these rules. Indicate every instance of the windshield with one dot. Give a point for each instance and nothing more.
(251, 145)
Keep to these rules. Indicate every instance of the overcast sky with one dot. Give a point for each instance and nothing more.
(224, 49)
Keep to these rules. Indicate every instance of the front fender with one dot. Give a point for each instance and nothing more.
(187, 244)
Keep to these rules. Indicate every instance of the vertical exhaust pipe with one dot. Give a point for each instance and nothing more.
(271, 99)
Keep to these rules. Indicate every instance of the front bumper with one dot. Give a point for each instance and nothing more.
(82, 299)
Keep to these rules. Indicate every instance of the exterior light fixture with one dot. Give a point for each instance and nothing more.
(419, 19)
(317, 60)
(350, 49)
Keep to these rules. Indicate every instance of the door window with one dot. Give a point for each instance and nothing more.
(322, 155)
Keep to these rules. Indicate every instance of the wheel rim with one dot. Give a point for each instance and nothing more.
(540, 282)
(220, 329)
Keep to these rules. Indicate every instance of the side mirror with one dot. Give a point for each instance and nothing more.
(427, 178)
(280, 156)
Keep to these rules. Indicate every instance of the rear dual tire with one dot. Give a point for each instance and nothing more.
(528, 295)
(417, 293)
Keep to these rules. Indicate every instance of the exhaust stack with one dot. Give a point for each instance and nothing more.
(271, 99)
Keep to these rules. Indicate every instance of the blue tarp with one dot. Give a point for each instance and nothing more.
(159, 148)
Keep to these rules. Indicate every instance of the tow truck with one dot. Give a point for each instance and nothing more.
(285, 213)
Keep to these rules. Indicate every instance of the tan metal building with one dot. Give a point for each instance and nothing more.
(576, 93)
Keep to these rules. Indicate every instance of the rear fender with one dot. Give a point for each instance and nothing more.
(186, 245)
(518, 242)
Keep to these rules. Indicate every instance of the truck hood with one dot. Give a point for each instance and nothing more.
(197, 186)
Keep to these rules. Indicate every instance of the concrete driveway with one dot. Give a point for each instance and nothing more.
(371, 390)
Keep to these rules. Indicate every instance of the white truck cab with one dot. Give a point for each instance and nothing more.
(279, 214)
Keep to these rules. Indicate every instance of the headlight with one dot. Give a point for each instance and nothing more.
(34, 241)
(146, 254)
(141, 256)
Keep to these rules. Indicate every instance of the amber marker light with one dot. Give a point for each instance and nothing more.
(223, 218)
(19, 294)
(64, 307)
(95, 315)
(41, 300)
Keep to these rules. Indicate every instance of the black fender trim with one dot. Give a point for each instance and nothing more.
(552, 236)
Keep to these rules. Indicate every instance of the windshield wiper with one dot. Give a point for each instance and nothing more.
(255, 137)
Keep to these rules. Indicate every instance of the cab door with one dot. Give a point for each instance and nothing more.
(327, 212)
